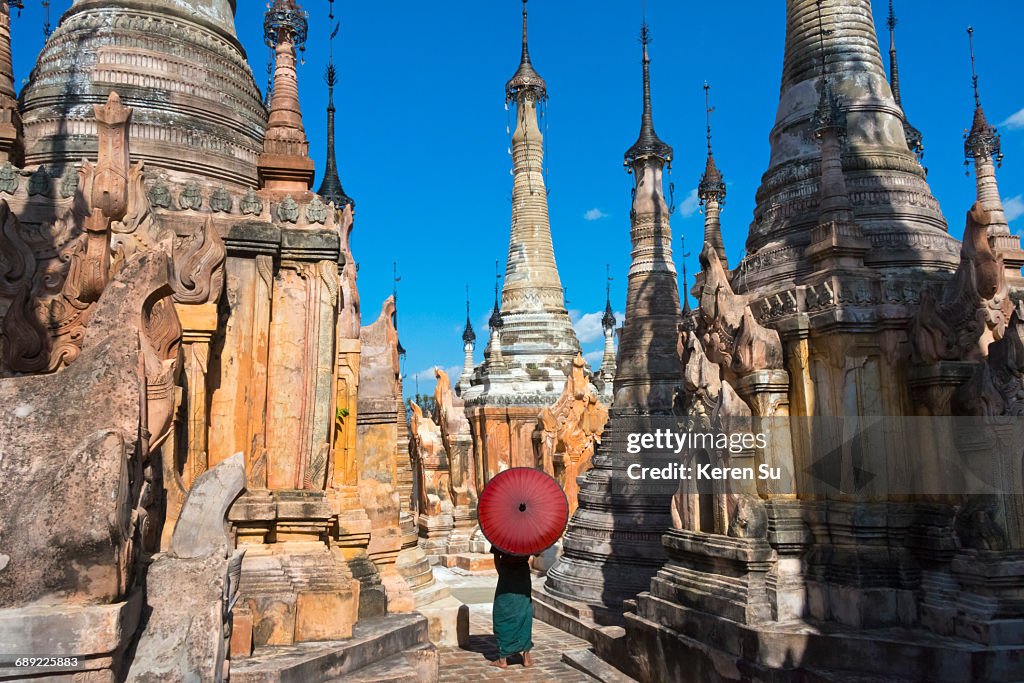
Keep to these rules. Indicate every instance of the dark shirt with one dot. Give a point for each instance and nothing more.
(513, 573)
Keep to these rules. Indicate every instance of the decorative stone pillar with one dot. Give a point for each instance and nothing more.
(240, 352)
(198, 325)
(302, 358)
(184, 462)
(293, 586)
(352, 533)
(767, 393)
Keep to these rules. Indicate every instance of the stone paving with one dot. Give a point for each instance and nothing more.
(472, 663)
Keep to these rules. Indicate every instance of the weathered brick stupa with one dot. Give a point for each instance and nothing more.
(846, 310)
(532, 342)
(177, 63)
(900, 219)
(613, 543)
(181, 326)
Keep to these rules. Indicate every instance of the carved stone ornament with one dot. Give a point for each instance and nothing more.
(997, 386)
(316, 211)
(756, 347)
(159, 195)
(69, 183)
(191, 197)
(8, 178)
(288, 210)
(109, 191)
(199, 266)
(220, 200)
(39, 182)
(975, 307)
(702, 381)
(251, 204)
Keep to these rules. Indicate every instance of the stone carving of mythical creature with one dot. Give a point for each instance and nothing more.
(756, 347)
(727, 330)
(991, 453)
(99, 505)
(458, 442)
(975, 306)
(251, 204)
(997, 386)
(720, 310)
(712, 406)
(431, 464)
(570, 430)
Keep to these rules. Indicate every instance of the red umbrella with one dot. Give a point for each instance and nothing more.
(522, 511)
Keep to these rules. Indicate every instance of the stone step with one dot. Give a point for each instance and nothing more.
(372, 641)
(471, 562)
(428, 594)
(586, 661)
(416, 665)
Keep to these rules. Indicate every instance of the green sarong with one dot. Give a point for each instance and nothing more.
(513, 605)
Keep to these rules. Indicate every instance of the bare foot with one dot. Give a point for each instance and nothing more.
(527, 659)
(500, 663)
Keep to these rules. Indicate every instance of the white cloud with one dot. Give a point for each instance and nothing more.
(588, 326)
(689, 206)
(594, 215)
(423, 375)
(594, 357)
(1015, 121)
(1014, 206)
(427, 375)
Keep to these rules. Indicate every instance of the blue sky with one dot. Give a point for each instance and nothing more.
(423, 143)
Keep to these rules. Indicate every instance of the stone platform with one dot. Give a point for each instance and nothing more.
(96, 635)
(710, 648)
(393, 648)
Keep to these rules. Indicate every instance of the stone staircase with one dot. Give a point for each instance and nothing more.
(417, 664)
(394, 648)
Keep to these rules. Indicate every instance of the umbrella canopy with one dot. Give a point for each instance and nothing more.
(522, 511)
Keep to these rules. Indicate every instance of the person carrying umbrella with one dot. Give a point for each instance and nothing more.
(513, 608)
(522, 512)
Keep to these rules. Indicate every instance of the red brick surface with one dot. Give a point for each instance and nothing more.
(472, 662)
